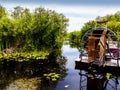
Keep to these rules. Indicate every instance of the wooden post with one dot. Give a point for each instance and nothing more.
(91, 48)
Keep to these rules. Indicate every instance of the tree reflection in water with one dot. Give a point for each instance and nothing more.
(27, 75)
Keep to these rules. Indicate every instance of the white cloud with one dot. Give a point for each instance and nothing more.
(88, 10)
(77, 15)
(75, 23)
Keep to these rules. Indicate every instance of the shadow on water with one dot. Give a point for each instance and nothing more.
(97, 78)
(28, 75)
(98, 81)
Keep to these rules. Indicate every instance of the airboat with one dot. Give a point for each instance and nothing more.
(100, 50)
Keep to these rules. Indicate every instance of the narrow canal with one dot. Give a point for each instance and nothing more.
(25, 76)
(72, 80)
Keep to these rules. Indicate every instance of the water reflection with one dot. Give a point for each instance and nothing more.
(28, 75)
(71, 81)
(98, 81)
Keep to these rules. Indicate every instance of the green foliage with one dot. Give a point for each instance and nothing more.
(2, 12)
(87, 26)
(20, 57)
(49, 28)
(113, 22)
(6, 33)
(51, 76)
(74, 38)
(115, 27)
(40, 30)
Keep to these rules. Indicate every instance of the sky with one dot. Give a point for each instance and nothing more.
(78, 11)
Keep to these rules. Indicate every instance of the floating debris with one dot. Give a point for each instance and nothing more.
(66, 86)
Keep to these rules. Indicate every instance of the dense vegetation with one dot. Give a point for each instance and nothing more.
(113, 24)
(39, 30)
(74, 39)
(30, 42)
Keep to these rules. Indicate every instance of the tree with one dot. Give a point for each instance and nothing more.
(17, 13)
(6, 33)
(115, 27)
(87, 26)
(48, 26)
(74, 39)
(2, 12)
(40, 30)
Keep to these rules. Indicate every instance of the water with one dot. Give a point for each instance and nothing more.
(72, 80)
(82, 80)
(26, 76)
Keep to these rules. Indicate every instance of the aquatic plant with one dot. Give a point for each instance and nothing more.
(108, 76)
(20, 57)
(52, 76)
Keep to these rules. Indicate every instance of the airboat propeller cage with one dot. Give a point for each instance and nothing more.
(96, 45)
(96, 42)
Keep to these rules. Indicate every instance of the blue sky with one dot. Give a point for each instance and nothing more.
(78, 11)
